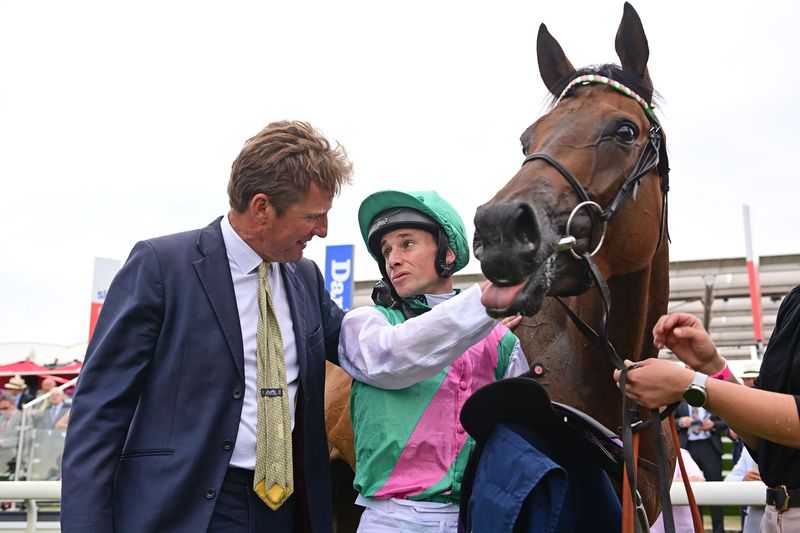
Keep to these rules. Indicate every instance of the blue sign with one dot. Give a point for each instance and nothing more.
(339, 274)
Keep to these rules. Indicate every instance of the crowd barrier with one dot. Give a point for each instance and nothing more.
(705, 492)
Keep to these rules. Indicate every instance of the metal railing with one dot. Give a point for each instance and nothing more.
(30, 492)
(25, 460)
(720, 493)
(33, 447)
(705, 492)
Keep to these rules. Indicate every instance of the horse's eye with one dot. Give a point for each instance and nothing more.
(626, 133)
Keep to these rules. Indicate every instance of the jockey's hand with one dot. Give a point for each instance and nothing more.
(685, 336)
(511, 322)
(655, 382)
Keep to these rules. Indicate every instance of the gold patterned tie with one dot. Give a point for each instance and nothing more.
(274, 476)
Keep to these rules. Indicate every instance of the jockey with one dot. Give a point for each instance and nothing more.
(415, 358)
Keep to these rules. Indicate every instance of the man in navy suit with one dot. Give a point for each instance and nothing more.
(162, 435)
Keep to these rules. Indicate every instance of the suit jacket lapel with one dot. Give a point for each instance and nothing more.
(215, 276)
(296, 294)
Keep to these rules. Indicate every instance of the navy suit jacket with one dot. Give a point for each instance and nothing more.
(158, 403)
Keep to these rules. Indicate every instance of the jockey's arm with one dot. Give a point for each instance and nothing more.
(374, 351)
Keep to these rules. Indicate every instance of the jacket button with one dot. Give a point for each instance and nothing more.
(237, 394)
(227, 445)
(210, 493)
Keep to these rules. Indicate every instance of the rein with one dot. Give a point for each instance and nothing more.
(653, 156)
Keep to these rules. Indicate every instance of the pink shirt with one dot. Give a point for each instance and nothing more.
(682, 514)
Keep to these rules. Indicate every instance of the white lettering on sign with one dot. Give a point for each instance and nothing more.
(340, 272)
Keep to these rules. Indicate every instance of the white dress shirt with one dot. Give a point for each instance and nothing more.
(244, 262)
(752, 520)
(701, 415)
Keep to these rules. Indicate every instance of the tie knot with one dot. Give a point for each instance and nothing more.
(263, 269)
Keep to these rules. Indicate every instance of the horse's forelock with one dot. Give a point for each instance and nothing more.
(611, 71)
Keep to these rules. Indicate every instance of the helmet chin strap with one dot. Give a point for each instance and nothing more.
(383, 294)
(442, 268)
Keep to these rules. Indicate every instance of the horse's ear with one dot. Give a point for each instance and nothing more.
(553, 63)
(632, 48)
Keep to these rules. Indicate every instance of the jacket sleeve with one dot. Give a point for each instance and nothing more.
(681, 411)
(331, 314)
(720, 426)
(115, 366)
(740, 468)
(388, 356)
(517, 362)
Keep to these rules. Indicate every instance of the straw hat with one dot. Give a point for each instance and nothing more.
(750, 372)
(16, 383)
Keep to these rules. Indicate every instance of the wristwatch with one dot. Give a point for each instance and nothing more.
(695, 394)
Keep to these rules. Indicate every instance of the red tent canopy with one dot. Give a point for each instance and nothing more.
(23, 368)
(72, 368)
(29, 368)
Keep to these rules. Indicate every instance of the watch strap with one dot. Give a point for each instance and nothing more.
(700, 380)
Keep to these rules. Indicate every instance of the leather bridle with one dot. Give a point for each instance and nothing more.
(652, 156)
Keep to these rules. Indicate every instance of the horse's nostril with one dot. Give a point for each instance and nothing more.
(525, 228)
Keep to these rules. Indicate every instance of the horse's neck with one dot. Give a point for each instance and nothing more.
(640, 299)
(574, 373)
(637, 300)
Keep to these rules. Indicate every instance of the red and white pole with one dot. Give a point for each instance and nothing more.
(755, 282)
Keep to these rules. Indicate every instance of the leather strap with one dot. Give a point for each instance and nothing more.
(697, 520)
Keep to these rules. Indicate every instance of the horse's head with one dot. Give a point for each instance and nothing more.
(600, 143)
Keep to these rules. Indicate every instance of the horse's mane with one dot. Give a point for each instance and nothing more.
(609, 70)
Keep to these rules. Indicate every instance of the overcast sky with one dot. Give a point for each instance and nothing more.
(119, 121)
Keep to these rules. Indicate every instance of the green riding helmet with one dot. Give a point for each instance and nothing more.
(385, 211)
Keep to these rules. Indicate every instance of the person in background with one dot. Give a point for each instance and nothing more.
(18, 388)
(700, 433)
(415, 358)
(9, 431)
(200, 402)
(682, 514)
(766, 416)
(746, 469)
(46, 386)
(748, 378)
(54, 412)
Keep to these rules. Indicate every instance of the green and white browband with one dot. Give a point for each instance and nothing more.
(587, 79)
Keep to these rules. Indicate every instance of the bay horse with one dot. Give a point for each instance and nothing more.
(586, 208)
